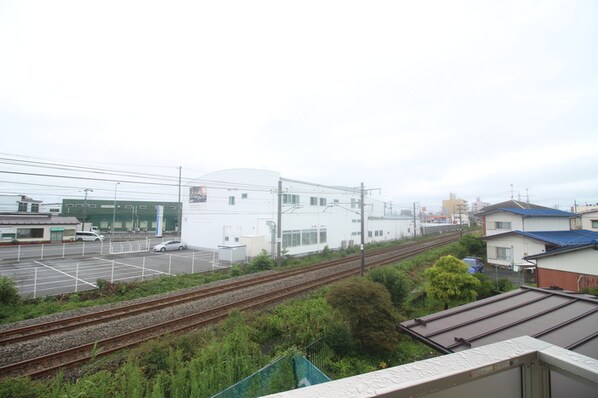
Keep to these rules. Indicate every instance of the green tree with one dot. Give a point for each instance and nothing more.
(448, 281)
(367, 308)
(395, 281)
(473, 245)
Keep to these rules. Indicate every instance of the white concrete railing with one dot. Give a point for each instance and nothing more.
(522, 367)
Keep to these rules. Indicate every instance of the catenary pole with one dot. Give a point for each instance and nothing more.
(362, 232)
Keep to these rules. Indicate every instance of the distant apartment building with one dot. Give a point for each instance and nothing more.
(456, 209)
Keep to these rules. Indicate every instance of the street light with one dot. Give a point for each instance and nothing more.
(114, 210)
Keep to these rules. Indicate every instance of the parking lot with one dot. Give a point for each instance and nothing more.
(64, 273)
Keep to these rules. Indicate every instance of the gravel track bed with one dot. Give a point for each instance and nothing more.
(34, 348)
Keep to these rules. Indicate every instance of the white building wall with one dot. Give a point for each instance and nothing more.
(327, 210)
(519, 247)
(492, 228)
(546, 224)
(589, 221)
(9, 203)
(579, 262)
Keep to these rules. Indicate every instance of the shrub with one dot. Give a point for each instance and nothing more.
(505, 285)
(262, 262)
(395, 281)
(368, 310)
(449, 282)
(8, 292)
(487, 286)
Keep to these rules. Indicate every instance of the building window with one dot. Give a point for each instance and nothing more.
(313, 201)
(35, 207)
(79, 205)
(236, 239)
(291, 238)
(128, 206)
(226, 238)
(22, 207)
(503, 253)
(243, 196)
(503, 225)
(322, 201)
(322, 236)
(231, 200)
(380, 233)
(289, 199)
(309, 237)
(369, 234)
(142, 206)
(336, 201)
(594, 223)
(92, 206)
(29, 233)
(54, 210)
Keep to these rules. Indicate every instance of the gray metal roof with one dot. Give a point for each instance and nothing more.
(38, 219)
(567, 320)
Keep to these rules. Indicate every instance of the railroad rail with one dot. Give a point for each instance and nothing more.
(47, 364)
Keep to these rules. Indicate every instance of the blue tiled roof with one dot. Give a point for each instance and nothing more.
(537, 212)
(563, 238)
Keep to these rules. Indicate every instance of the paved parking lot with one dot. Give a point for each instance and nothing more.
(56, 275)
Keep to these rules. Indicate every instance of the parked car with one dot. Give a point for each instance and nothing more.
(475, 264)
(88, 236)
(170, 245)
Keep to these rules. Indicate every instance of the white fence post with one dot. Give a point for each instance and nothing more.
(19, 253)
(35, 283)
(193, 263)
(42, 253)
(143, 269)
(213, 260)
(63, 249)
(83, 249)
(102, 247)
(170, 266)
(112, 275)
(77, 278)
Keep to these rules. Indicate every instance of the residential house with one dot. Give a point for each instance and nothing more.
(505, 226)
(572, 267)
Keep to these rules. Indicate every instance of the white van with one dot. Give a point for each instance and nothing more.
(88, 236)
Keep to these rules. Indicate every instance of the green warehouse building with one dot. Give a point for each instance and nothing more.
(127, 215)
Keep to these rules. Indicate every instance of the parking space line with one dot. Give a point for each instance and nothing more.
(132, 265)
(64, 273)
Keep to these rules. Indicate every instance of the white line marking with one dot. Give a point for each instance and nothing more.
(64, 273)
(133, 266)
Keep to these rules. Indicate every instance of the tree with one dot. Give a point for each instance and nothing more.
(473, 245)
(367, 308)
(449, 282)
(395, 281)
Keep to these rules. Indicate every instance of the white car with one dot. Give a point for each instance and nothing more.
(170, 245)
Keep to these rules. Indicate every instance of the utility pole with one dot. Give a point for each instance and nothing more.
(180, 205)
(414, 222)
(362, 232)
(279, 224)
(86, 190)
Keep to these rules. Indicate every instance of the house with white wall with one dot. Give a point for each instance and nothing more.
(248, 206)
(505, 225)
(588, 220)
(572, 268)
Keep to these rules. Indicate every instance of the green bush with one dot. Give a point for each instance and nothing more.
(505, 285)
(395, 281)
(262, 262)
(487, 286)
(9, 294)
(368, 310)
(337, 336)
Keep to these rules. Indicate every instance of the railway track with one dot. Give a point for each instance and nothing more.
(311, 277)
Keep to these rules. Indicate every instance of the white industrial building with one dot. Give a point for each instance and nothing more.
(240, 207)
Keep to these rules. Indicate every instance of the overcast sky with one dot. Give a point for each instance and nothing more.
(419, 98)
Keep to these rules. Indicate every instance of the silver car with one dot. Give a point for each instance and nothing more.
(170, 245)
